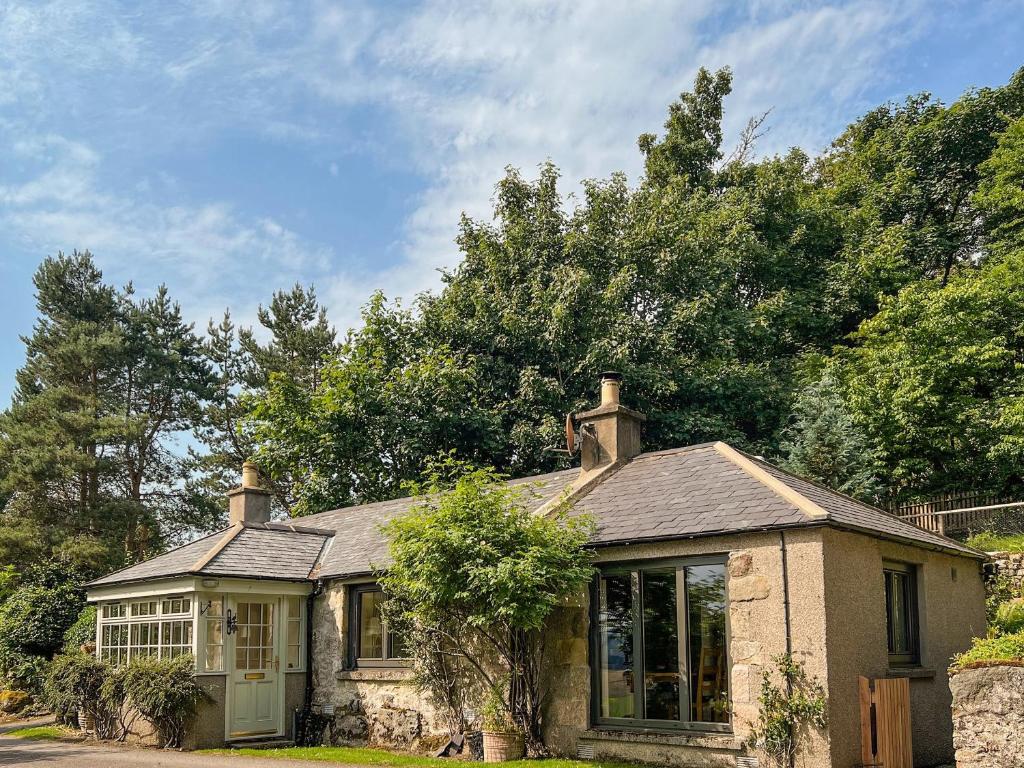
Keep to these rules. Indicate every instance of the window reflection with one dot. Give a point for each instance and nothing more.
(616, 637)
(661, 646)
(709, 694)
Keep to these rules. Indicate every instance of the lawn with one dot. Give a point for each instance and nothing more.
(39, 733)
(991, 542)
(366, 756)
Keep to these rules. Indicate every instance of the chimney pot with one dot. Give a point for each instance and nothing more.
(610, 384)
(250, 475)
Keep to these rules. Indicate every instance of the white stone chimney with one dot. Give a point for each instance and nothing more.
(610, 432)
(249, 503)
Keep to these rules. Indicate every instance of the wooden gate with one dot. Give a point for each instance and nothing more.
(885, 723)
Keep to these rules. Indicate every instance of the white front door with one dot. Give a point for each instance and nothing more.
(255, 708)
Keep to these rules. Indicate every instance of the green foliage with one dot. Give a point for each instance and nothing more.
(1009, 617)
(790, 704)
(1000, 195)
(999, 588)
(824, 443)
(34, 619)
(108, 380)
(74, 681)
(494, 715)
(165, 692)
(83, 630)
(473, 562)
(987, 541)
(992, 649)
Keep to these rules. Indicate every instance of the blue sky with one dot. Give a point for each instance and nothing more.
(231, 148)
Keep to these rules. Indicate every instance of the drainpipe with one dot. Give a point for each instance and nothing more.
(307, 702)
(785, 611)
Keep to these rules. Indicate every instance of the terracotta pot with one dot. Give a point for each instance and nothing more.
(499, 747)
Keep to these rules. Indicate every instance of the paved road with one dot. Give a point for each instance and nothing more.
(57, 754)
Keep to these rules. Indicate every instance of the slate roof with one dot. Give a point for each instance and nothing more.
(260, 551)
(687, 492)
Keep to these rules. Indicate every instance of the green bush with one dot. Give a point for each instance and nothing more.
(989, 541)
(21, 671)
(75, 681)
(82, 631)
(1003, 648)
(34, 618)
(1009, 618)
(165, 692)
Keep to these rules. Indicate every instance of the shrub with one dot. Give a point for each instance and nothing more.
(472, 561)
(1009, 618)
(34, 618)
(992, 649)
(21, 671)
(165, 692)
(75, 681)
(83, 631)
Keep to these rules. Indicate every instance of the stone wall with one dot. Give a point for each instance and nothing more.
(1011, 565)
(364, 706)
(988, 717)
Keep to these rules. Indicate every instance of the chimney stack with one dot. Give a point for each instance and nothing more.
(249, 503)
(611, 432)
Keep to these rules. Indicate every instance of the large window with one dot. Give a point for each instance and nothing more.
(660, 645)
(901, 620)
(371, 642)
(161, 628)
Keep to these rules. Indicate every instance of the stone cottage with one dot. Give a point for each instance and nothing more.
(709, 563)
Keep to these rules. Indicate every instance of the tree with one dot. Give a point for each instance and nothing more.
(936, 382)
(301, 344)
(824, 443)
(472, 563)
(1000, 195)
(107, 382)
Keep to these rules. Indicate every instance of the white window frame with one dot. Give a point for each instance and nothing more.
(132, 614)
(299, 621)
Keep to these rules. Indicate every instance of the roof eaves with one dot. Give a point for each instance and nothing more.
(788, 493)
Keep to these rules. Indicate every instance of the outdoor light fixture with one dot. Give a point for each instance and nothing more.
(211, 583)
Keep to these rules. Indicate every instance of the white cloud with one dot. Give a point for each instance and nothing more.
(467, 89)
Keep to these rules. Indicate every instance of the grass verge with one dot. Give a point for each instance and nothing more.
(367, 756)
(38, 733)
(991, 542)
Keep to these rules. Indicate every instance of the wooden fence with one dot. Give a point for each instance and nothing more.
(955, 513)
(885, 739)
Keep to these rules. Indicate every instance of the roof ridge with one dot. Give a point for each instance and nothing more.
(787, 492)
(209, 556)
(855, 500)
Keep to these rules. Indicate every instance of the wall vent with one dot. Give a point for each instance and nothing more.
(747, 762)
(585, 751)
(328, 709)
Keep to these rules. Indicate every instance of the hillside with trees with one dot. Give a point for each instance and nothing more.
(857, 316)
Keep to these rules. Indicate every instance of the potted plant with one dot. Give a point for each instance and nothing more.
(503, 739)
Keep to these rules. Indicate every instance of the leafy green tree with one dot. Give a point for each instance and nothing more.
(936, 382)
(1000, 195)
(472, 561)
(823, 442)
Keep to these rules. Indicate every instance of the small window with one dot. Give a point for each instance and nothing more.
(114, 611)
(294, 658)
(901, 618)
(371, 643)
(213, 653)
(145, 608)
(176, 606)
